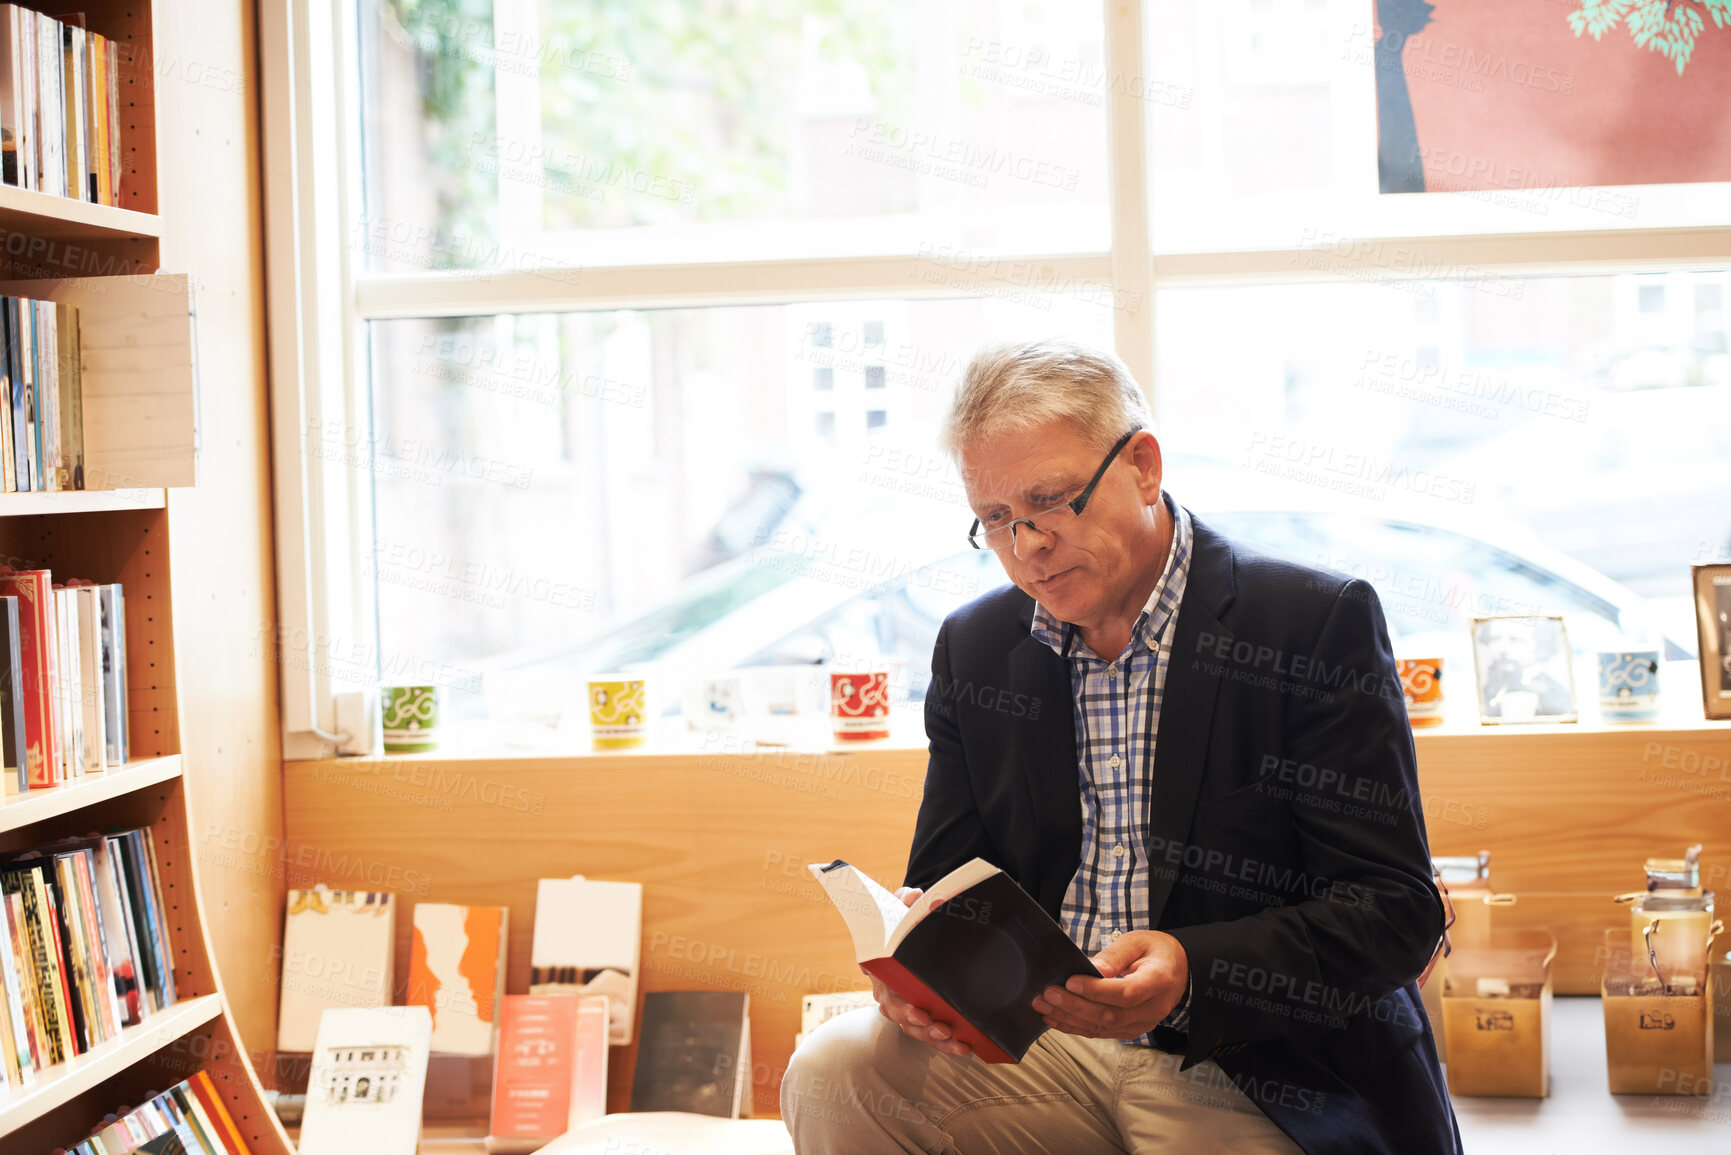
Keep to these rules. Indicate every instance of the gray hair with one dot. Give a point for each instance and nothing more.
(1014, 387)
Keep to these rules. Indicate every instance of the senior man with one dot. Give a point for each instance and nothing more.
(1213, 792)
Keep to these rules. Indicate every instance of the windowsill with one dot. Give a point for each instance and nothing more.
(777, 737)
(1680, 711)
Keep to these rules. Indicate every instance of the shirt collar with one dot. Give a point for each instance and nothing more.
(1063, 637)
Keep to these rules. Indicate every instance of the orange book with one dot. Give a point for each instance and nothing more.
(205, 1090)
(551, 1071)
(457, 971)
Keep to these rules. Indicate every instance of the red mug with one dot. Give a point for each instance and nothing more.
(859, 705)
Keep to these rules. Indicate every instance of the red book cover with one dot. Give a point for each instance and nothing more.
(972, 952)
(902, 981)
(41, 669)
(536, 1066)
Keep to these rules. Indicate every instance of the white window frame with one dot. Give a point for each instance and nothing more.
(320, 297)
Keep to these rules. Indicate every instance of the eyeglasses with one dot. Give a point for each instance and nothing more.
(1050, 519)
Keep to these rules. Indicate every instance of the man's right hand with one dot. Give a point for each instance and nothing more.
(915, 1023)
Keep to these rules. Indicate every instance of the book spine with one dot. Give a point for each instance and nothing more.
(104, 191)
(70, 368)
(153, 932)
(30, 154)
(48, 404)
(32, 392)
(113, 673)
(75, 954)
(205, 1089)
(11, 129)
(8, 454)
(163, 930)
(19, 406)
(137, 998)
(35, 1027)
(72, 108)
(72, 682)
(36, 651)
(105, 997)
(52, 101)
(88, 605)
(13, 751)
(50, 994)
(116, 154)
(72, 1006)
(18, 1055)
(910, 987)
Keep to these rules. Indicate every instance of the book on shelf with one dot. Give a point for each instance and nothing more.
(75, 755)
(694, 1054)
(190, 1116)
(43, 436)
(587, 941)
(84, 949)
(338, 950)
(550, 1073)
(37, 651)
(63, 675)
(16, 754)
(117, 721)
(369, 1074)
(59, 107)
(949, 953)
(457, 971)
(87, 628)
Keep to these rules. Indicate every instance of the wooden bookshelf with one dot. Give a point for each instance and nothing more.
(17, 810)
(69, 221)
(80, 501)
(141, 427)
(61, 1084)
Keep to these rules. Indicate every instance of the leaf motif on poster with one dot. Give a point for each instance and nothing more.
(1668, 27)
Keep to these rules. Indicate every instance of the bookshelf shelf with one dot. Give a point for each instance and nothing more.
(61, 1084)
(18, 810)
(80, 501)
(57, 218)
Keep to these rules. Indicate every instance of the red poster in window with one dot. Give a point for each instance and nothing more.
(1488, 94)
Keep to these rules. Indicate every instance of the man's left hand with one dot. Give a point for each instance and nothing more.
(1145, 974)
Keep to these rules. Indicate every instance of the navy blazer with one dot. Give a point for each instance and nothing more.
(1286, 839)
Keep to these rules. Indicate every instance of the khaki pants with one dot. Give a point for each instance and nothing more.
(858, 1086)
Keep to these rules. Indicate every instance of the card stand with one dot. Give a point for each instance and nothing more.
(1656, 1043)
(1496, 1012)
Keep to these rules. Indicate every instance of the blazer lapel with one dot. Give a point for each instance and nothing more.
(1187, 706)
(1046, 748)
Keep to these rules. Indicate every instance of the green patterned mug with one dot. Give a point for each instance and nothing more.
(410, 715)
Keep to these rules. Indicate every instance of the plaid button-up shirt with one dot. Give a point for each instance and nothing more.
(1117, 707)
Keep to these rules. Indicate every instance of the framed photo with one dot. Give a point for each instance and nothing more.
(1525, 670)
(1713, 621)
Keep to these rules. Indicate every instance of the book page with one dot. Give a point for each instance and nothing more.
(871, 912)
(970, 873)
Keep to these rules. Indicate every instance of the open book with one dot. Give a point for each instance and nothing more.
(972, 952)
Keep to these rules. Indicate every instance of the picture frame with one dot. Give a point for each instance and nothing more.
(1524, 669)
(1712, 586)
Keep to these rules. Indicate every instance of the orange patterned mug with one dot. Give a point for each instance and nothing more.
(1421, 684)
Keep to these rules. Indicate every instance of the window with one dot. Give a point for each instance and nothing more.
(651, 325)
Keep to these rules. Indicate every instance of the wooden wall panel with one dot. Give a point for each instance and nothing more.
(720, 842)
(206, 155)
